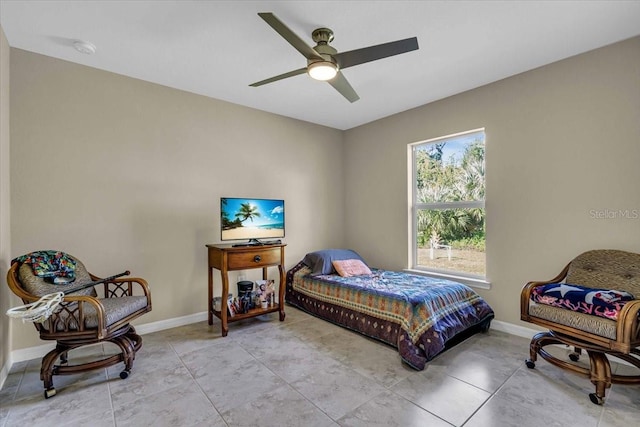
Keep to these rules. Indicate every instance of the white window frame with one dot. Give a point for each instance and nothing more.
(473, 280)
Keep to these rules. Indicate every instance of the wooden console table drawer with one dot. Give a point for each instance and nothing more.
(253, 258)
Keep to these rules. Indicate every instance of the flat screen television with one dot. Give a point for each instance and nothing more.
(251, 219)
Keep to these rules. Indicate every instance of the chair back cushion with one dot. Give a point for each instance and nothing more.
(606, 269)
(38, 286)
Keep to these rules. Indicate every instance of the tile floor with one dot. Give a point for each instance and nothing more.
(307, 372)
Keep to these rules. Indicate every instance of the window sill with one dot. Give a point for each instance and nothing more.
(469, 281)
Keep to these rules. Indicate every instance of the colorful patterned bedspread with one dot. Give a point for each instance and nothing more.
(416, 314)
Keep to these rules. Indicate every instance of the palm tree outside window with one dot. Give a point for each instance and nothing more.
(448, 212)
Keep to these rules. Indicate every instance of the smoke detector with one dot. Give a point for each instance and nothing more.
(84, 47)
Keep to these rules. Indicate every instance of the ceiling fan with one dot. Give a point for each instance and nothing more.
(324, 62)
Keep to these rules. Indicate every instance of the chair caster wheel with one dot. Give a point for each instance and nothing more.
(49, 393)
(124, 374)
(574, 357)
(530, 363)
(596, 399)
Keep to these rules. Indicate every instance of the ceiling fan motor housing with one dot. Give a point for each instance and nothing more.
(323, 36)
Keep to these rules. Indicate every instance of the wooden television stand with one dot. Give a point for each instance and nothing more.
(227, 258)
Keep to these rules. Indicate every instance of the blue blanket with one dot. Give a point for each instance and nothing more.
(605, 303)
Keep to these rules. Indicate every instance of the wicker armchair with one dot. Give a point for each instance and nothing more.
(85, 318)
(599, 336)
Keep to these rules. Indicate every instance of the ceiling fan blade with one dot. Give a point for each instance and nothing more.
(293, 39)
(279, 77)
(372, 53)
(340, 83)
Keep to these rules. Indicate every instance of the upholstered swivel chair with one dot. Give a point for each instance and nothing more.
(100, 313)
(614, 331)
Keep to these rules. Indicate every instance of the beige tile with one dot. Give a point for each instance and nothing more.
(296, 359)
(184, 405)
(254, 324)
(8, 392)
(230, 386)
(18, 367)
(149, 376)
(337, 390)
(263, 342)
(32, 387)
(374, 360)
(390, 410)
(310, 328)
(187, 338)
(622, 406)
(208, 364)
(305, 371)
(561, 393)
(347, 344)
(293, 314)
(447, 397)
(620, 368)
(278, 407)
(10, 387)
(498, 412)
(108, 420)
(77, 401)
(4, 411)
(477, 369)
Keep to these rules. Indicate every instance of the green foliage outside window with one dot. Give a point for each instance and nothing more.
(445, 179)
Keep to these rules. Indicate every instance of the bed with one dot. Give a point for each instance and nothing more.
(418, 315)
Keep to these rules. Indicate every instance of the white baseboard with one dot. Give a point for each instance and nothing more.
(4, 373)
(31, 352)
(513, 329)
(161, 325)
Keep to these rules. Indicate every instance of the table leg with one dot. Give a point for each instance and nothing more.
(210, 300)
(281, 286)
(223, 304)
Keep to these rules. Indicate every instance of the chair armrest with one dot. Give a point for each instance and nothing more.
(527, 289)
(72, 311)
(123, 286)
(628, 324)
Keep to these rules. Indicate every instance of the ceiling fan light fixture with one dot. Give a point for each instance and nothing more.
(322, 70)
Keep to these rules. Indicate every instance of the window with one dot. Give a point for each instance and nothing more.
(448, 211)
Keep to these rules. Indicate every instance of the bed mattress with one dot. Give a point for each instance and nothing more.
(416, 314)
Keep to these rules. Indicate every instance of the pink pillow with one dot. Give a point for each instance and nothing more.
(351, 267)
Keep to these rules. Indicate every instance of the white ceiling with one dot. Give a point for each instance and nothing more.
(217, 48)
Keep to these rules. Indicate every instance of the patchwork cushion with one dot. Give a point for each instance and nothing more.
(605, 303)
(49, 263)
(320, 262)
(351, 267)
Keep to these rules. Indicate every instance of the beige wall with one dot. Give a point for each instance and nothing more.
(5, 235)
(563, 141)
(127, 174)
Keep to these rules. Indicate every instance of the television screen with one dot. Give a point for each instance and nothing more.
(251, 219)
